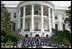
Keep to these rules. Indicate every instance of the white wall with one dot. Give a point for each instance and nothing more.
(12, 10)
(59, 21)
(60, 15)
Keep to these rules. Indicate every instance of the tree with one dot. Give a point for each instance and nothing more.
(64, 37)
(68, 19)
(5, 17)
(6, 32)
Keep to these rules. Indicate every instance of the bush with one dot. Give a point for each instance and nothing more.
(64, 37)
(9, 36)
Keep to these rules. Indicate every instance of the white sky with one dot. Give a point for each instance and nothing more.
(57, 3)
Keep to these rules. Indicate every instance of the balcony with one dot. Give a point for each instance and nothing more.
(27, 30)
(34, 30)
(36, 13)
(37, 29)
(47, 30)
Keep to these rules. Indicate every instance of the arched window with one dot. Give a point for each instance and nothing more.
(47, 35)
(63, 16)
(37, 35)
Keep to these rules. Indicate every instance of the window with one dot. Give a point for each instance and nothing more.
(21, 11)
(21, 25)
(63, 26)
(14, 26)
(14, 15)
(56, 26)
(55, 17)
(36, 12)
(47, 15)
(28, 25)
(63, 17)
(36, 25)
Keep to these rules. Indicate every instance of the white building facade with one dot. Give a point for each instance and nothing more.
(37, 17)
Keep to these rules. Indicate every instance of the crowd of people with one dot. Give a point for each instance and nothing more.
(29, 42)
(38, 42)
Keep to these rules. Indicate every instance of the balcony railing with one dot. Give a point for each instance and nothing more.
(37, 29)
(27, 30)
(34, 30)
(47, 30)
(35, 13)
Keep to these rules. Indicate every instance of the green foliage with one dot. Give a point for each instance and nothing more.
(65, 37)
(9, 43)
(58, 38)
(68, 19)
(7, 36)
(2, 38)
(5, 17)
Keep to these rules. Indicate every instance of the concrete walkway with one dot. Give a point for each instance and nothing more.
(43, 47)
(48, 47)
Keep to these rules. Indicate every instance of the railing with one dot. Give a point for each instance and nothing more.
(47, 30)
(34, 30)
(27, 30)
(37, 30)
(36, 13)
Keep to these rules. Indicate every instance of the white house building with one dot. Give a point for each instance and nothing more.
(37, 17)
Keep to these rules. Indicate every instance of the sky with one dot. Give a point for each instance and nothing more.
(57, 3)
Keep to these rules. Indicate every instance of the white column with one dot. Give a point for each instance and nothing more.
(66, 26)
(12, 16)
(60, 26)
(60, 22)
(19, 18)
(23, 26)
(49, 19)
(16, 26)
(42, 19)
(32, 19)
(53, 19)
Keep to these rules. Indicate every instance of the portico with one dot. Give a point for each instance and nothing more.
(38, 14)
(37, 17)
(41, 16)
